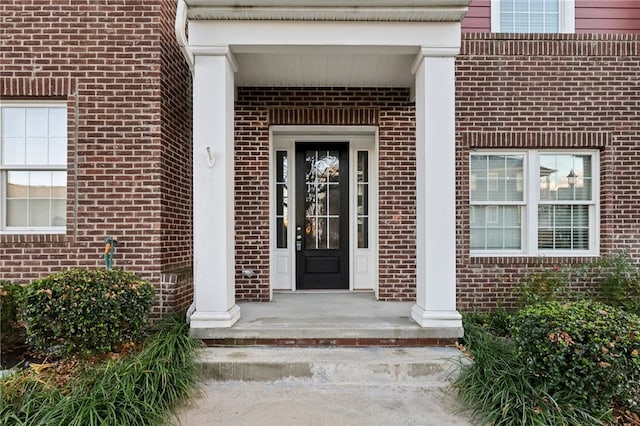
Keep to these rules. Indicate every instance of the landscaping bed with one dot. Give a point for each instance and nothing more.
(561, 358)
(78, 349)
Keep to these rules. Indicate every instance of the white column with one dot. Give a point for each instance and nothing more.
(436, 193)
(213, 187)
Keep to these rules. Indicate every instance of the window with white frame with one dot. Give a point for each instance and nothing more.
(33, 167)
(533, 16)
(534, 203)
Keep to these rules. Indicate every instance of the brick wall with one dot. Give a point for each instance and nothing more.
(391, 109)
(176, 165)
(548, 91)
(103, 59)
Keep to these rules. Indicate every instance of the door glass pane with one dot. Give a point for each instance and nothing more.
(333, 232)
(282, 199)
(334, 200)
(363, 232)
(322, 200)
(310, 233)
(362, 201)
(322, 233)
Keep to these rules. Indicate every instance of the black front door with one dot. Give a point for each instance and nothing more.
(322, 216)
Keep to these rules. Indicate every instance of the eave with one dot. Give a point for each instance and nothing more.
(329, 10)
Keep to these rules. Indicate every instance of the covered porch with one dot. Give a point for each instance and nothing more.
(320, 43)
(325, 319)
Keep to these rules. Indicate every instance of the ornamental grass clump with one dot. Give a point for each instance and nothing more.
(138, 389)
(497, 390)
(81, 311)
(586, 350)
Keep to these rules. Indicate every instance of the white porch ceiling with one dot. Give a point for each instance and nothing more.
(318, 67)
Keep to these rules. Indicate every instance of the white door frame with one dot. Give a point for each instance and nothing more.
(363, 262)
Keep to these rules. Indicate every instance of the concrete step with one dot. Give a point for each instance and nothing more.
(420, 366)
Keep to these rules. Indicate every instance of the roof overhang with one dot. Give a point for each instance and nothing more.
(329, 10)
(346, 43)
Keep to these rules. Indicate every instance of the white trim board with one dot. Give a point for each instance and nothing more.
(363, 263)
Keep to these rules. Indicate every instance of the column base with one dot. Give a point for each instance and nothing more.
(215, 319)
(445, 324)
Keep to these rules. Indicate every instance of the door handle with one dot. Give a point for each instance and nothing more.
(298, 239)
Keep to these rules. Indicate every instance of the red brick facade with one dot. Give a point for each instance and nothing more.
(127, 91)
(127, 94)
(548, 91)
(394, 113)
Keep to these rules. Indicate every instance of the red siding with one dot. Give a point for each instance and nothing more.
(478, 18)
(592, 16)
(611, 16)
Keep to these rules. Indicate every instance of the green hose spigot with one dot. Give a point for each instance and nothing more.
(109, 250)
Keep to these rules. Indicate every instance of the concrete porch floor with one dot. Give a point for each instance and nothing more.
(325, 319)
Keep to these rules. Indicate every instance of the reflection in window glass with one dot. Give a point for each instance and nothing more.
(362, 191)
(561, 197)
(33, 161)
(322, 200)
(282, 199)
(565, 177)
(36, 199)
(497, 190)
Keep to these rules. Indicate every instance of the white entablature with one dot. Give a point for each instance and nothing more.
(329, 10)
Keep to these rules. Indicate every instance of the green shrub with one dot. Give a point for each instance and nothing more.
(9, 302)
(544, 286)
(497, 390)
(586, 350)
(138, 389)
(620, 282)
(497, 322)
(86, 311)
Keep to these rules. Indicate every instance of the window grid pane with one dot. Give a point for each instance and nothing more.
(362, 210)
(563, 227)
(36, 199)
(322, 175)
(566, 177)
(497, 181)
(282, 199)
(529, 16)
(33, 137)
(496, 228)
(565, 208)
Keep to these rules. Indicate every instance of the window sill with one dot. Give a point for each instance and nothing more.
(522, 259)
(32, 237)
